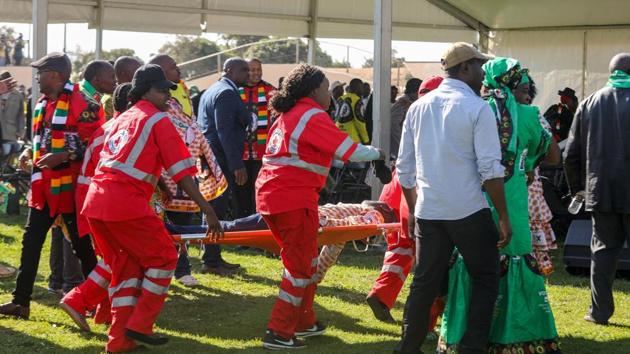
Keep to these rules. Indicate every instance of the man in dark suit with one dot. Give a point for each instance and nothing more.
(224, 120)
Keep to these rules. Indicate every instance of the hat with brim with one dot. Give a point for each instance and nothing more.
(336, 84)
(461, 52)
(567, 91)
(151, 75)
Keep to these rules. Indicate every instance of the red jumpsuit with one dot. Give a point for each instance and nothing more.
(400, 248)
(93, 291)
(400, 255)
(140, 143)
(298, 156)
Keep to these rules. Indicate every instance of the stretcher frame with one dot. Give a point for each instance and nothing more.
(264, 238)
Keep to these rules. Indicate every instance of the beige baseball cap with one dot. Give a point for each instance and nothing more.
(460, 52)
(335, 84)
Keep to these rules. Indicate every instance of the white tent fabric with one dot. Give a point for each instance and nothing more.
(415, 20)
(560, 58)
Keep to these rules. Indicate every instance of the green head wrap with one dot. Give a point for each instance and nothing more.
(619, 79)
(501, 76)
(524, 77)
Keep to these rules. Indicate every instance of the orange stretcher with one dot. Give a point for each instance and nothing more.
(264, 238)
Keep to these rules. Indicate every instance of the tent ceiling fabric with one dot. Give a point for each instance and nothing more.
(413, 20)
(504, 14)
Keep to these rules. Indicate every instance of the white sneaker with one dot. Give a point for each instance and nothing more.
(188, 280)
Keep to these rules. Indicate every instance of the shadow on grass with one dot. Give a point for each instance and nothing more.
(237, 316)
(588, 346)
(19, 342)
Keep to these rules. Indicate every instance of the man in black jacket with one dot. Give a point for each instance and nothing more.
(597, 164)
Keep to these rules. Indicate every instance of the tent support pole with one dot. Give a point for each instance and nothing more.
(382, 79)
(312, 30)
(98, 52)
(40, 40)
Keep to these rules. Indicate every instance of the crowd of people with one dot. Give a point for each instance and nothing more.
(11, 50)
(129, 150)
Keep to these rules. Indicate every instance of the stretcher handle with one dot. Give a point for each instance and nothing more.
(258, 233)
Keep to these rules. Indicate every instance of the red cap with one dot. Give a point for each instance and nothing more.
(429, 85)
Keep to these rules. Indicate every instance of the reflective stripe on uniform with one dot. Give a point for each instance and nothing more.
(296, 162)
(36, 176)
(180, 166)
(88, 154)
(81, 179)
(343, 148)
(98, 279)
(399, 251)
(104, 266)
(125, 284)
(391, 268)
(143, 138)
(293, 300)
(159, 273)
(127, 166)
(150, 286)
(124, 301)
(130, 171)
(299, 129)
(296, 282)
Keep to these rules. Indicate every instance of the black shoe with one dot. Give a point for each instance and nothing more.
(317, 330)
(150, 339)
(273, 341)
(381, 312)
(590, 318)
(383, 173)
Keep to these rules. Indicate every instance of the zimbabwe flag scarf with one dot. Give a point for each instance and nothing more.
(61, 176)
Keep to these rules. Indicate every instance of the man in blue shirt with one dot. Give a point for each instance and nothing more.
(449, 150)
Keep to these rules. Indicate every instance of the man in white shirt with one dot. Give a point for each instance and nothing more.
(449, 151)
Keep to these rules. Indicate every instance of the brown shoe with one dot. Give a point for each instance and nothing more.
(220, 270)
(14, 310)
(78, 318)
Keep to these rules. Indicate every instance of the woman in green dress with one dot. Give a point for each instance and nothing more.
(522, 319)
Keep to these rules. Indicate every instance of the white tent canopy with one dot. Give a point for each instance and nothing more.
(413, 20)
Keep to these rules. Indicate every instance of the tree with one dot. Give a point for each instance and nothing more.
(186, 48)
(83, 58)
(369, 62)
(283, 52)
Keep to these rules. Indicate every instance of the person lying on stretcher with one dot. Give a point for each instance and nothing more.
(330, 215)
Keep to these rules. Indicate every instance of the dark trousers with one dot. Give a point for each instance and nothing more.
(476, 239)
(183, 263)
(610, 231)
(212, 253)
(244, 197)
(65, 268)
(37, 225)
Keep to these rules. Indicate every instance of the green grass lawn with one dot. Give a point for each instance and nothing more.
(226, 315)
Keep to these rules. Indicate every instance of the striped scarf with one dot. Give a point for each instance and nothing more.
(61, 180)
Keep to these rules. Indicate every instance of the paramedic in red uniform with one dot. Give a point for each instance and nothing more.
(301, 147)
(401, 248)
(138, 145)
(93, 291)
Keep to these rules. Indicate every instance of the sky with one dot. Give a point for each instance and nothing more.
(146, 44)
